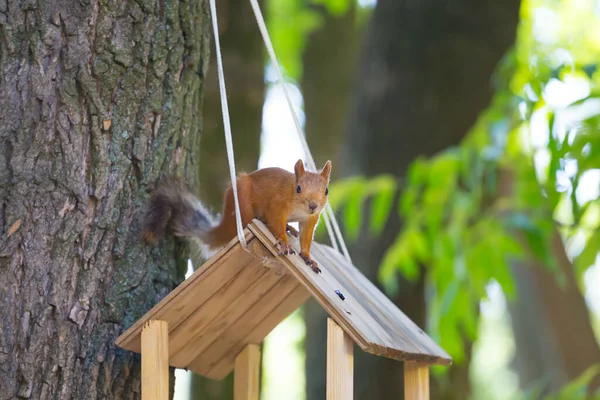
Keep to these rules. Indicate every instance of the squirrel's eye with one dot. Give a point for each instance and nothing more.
(298, 189)
(326, 191)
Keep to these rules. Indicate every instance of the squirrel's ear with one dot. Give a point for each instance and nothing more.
(299, 169)
(326, 171)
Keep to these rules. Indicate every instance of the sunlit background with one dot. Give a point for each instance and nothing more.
(492, 376)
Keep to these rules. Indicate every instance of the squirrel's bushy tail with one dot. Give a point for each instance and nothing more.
(175, 208)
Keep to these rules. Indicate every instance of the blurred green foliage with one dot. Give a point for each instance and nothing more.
(528, 168)
(574, 390)
(290, 22)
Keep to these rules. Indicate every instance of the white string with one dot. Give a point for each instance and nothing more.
(328, 214)
(227, 126)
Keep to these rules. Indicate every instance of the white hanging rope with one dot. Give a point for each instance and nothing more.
(227, 127)
(328, 214)
(331, 224)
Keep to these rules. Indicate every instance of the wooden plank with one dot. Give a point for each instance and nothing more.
(247, 373)
(378, 339)
(315, 284)
(243, 303)
(155, 360)
(257, 334)
(340, 363)
(191, 293)
(348, 313)
(234, 300)
(416, 381)
(231, 301)
(367, 315)
(234, 335)
(405, 333)
(354, 284)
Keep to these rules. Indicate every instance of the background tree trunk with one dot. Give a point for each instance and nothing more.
(98, 99)
(554, 338)
(329, 63)
(327, 81)
(424, 78)
(243, 63)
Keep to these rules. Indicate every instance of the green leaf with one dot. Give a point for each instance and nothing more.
(337, 8)
(538, 237)
(418, 245)
(353, 211)
(444, 170)
(397, 258)
(503, 276)
(341, 190)
(409, 268)
(384, 189)
(578, 388)
(388, 268)
(534, 392)
(289, 23)
(452, 341)
(408, 201)
(418, 172)
(539, 244)
(448, 298)
(588, 255)
(590, 69)
(478, 275)
(467, 317)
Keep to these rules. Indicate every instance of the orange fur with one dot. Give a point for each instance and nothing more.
(269, 194)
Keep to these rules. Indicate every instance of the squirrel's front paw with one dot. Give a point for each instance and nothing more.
(283, 248)
(292, 231)
(309, 261)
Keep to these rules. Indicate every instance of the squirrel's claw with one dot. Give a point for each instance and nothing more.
(309, 261)
(292, 231)
(283, 248)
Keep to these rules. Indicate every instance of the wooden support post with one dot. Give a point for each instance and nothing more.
(416, 381)
(340, 363)
(246, 374)
(155, 360)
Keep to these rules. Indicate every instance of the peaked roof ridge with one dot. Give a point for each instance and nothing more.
(238, 297)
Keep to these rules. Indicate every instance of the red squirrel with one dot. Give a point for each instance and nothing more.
(272, 195)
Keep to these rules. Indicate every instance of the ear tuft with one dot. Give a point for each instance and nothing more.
(299, 169)
(326, 171)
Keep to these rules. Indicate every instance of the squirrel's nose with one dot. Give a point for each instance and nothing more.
(312, 205)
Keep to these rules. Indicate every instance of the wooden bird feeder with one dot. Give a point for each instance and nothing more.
(214, 321)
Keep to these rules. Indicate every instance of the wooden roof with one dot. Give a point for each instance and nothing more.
(237, 298)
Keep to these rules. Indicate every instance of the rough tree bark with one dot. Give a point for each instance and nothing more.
(243, 63)
(424, 78)
(97, 100)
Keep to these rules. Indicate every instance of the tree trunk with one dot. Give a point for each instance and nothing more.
(555, 341)
(98, 100)
(327, 79)
(243, 63)
(425, 77)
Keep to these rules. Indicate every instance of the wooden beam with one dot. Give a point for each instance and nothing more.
(246, 374)
(416, 381)
(155, 360)
(340, 363)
